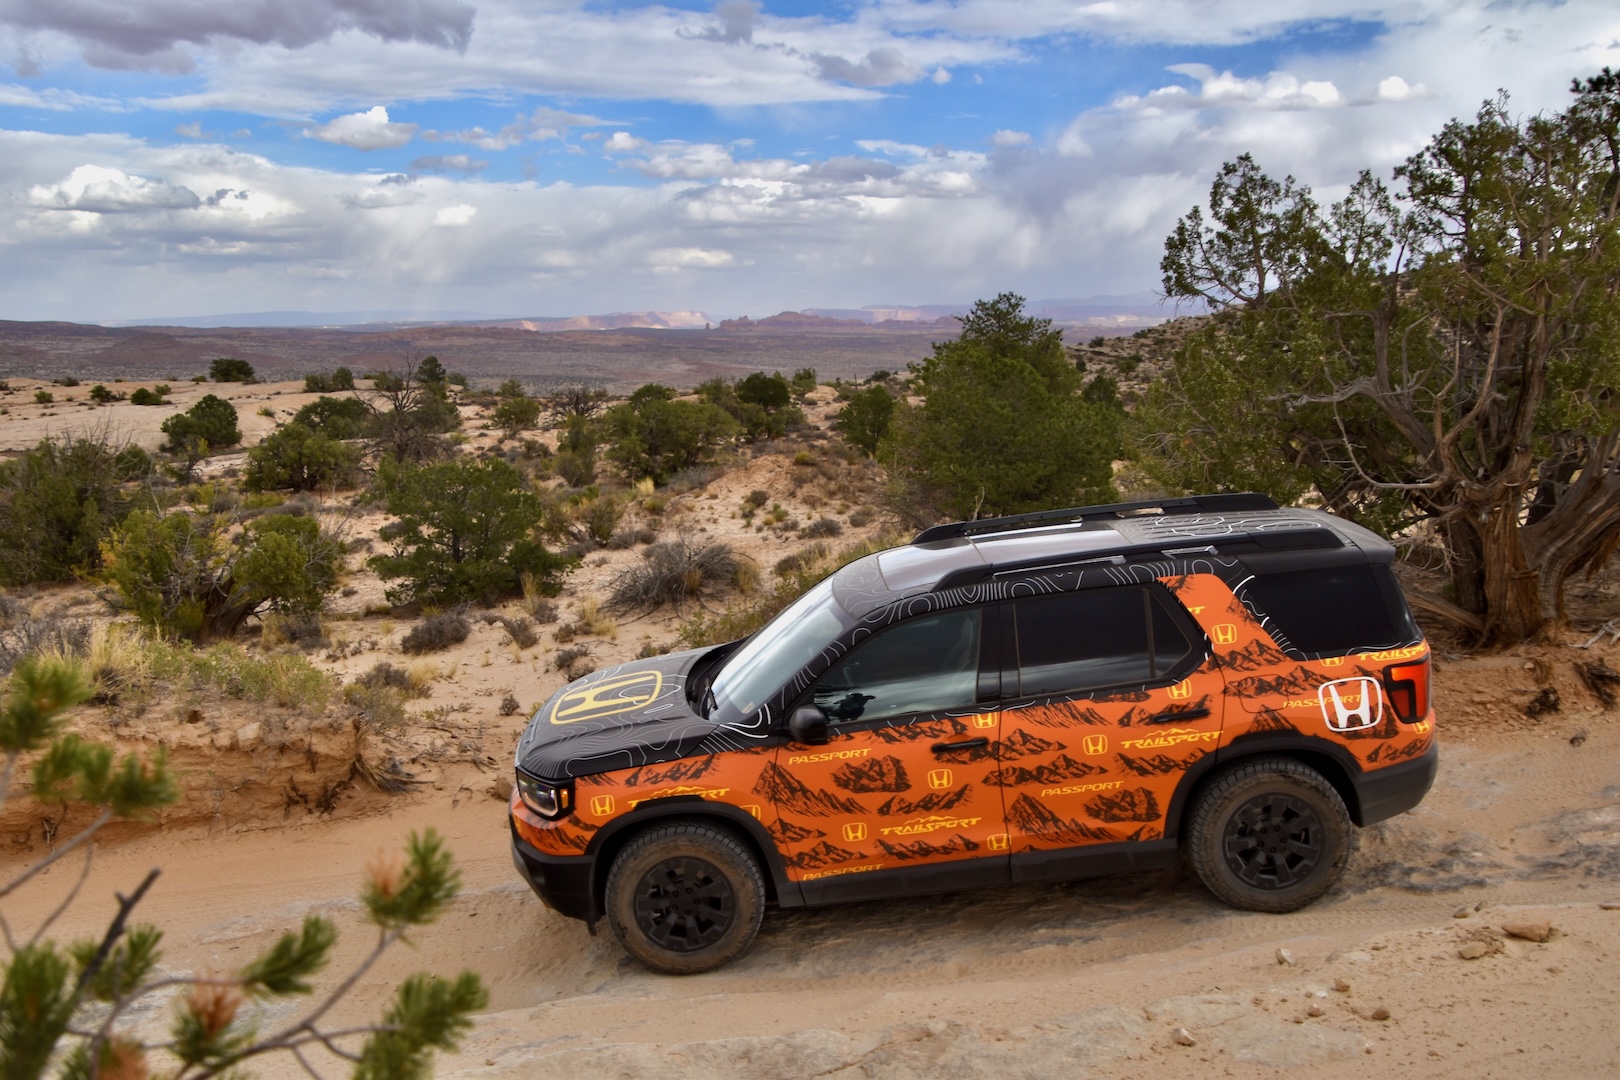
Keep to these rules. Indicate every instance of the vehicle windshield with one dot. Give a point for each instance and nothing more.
(767, 660)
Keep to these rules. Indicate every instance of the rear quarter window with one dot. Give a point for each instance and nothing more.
(1333, 610)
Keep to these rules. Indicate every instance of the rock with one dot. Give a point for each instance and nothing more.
(1462, 912)
(1285, 957)
(1473, 950)
(1610, 905)
(1578, 738)
(1528, 930)
(1341, 986)
(1379, 1013)
(248, 734)
(1183, 1037)
(501, 788)
(1315, 1011)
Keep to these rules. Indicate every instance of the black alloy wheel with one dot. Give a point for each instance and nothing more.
(685, 897)
(1270, 834)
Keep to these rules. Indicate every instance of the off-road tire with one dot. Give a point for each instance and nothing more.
(1269, 835)
(685, 897)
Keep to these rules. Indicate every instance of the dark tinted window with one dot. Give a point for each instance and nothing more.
(921, 665)
(1083, 640)
(1337, 609)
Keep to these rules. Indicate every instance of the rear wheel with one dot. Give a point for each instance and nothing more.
(685, 897)
(1270, 835)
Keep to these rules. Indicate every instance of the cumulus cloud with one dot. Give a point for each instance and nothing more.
(1006, 139)
(736, 22)
(150, 33)
(1396, 88)
(622, 142)
(688, 258)
(97, 189)
(881, 67)
(369, 130)
(449, 163)
(1278, 90)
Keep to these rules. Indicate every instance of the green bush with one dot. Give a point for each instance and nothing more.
(516, 414)
(294, 458)
(44, 397)
(191, 574)
(464, 532)
(101, 395)
(208, 425)
(865, 420)
(142, 396)
(227, 370)
(340, 379)
(338, 418)
(57, 503)
(655, 436)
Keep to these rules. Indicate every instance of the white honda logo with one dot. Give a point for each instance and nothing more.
(1352, 704)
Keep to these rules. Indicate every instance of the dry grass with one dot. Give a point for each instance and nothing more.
(672, 572)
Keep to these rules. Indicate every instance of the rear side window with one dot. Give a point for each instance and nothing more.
(1086, 640)
(1333, 610)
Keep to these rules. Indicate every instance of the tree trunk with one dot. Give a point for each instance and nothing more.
(1507, 582)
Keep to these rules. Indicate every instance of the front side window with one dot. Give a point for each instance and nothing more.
(1086, 640)
(921, 665)
(768, 659)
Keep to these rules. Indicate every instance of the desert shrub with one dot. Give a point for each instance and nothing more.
(864, 421)
(822, 527)
(601, 516)
(536, 601)
(516, 413)
(303, 630)
(294, 458)
(510, 706)
(337, 418)
(57, 503)
(862, 517)
(409, 414)
(653, 435)
(671, 572)
(226, 369)
(64, 380)
(22, 635)
(520, 630)
(142, 396)
(757, 498)
(210, 424)
(574, 662)
(436, 634)
(101, 394)
(194, 575)
(804, 381)
(44, 397)
(464, 531)
(340, 379)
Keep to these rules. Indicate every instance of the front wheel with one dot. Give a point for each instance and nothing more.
(685, 897)
(1270, 835)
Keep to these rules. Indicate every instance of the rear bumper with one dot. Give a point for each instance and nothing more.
(562, 882)
(1395, 789)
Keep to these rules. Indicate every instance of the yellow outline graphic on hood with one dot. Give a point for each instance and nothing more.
(592, 702)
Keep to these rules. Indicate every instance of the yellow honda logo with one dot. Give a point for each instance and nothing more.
(855, 830)
(985, 720)
(1182, 689)
(751, 809)
(1332, 661)
(601, 805)
(1096, 744)
(998, 842)
(1224, 633)
(609, 697)
(939, 778)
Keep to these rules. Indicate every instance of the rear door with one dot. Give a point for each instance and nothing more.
(1112, 696)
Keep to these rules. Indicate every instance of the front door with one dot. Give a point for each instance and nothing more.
(897, 785)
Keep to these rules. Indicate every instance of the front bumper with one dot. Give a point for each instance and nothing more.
(1395, 789)
(564, 883)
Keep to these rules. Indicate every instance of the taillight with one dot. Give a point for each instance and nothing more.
(1407, 687)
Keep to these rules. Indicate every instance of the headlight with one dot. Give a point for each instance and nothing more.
(547, 800)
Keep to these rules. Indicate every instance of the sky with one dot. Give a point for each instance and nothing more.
(559, 157)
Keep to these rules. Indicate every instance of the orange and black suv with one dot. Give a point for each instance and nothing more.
(1043, 697)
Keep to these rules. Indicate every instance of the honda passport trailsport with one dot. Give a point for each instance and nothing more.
(1042, 697)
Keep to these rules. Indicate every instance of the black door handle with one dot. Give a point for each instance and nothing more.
(1172, 715)
(969, 744)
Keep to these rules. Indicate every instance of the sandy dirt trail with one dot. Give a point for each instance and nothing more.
(1085, 979)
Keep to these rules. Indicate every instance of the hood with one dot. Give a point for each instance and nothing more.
(619, 718)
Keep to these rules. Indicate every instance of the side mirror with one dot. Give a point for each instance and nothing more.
(808, 725)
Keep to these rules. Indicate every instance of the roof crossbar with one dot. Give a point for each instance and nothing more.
(1238, 502)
